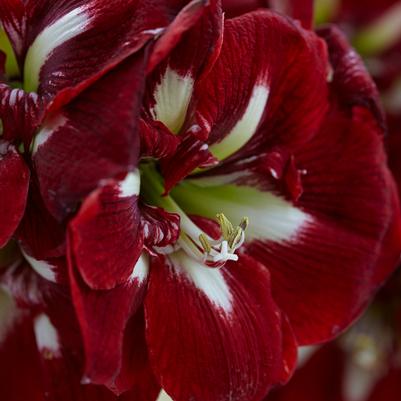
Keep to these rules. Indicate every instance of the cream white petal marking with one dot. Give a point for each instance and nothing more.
(130, 186)
(9, 314)
(271, 217)
(41, 267)
(48, 128)
(172, 96)
(141, 269)
(53, 36)
(210, 281)
(46, 335)
(163, 396)
(245, 127)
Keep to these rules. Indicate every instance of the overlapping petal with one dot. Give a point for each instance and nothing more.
(228, 339)
(56, 42)
(246, 108)
(108, 224)
(103, 317)
(86, 131)
(14, 182)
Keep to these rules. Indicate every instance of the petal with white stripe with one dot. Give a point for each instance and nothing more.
(108, 224)
(215, 334)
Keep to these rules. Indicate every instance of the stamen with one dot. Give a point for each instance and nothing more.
(217, 253)
(205, 243)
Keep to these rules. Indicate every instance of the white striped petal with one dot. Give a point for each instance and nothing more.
(172, 96)
(210, 281)
(245, 127)
(53, 36)
(271, 217)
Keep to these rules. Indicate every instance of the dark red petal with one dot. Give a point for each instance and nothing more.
(335, 261)
(45, 333)
(301, 10)
(160, 228)
(351, 82)
(170, 86)
(190, 154)
(106, 234)
(20, 113)
(20, 376)
(103, 317)
(14, 182)
(233, 8)
(184, 21)
(136, 373)
(156, 140)
(67, 36)
(214, 334)
(42, 238)
(235, 101)
(85, 132)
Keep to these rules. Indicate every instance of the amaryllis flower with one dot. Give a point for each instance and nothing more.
(362, 365)
(225, 202)
(250, 210)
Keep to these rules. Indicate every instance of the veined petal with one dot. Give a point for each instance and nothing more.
(171, 85)
(14, 181)
(68, 26)
(218, 350)
(351, 81)
(103, 317)
(172, 96)
(42, 238)
(234, 8)
(248, 106)
(20, 113)
(338, 259)
(301, 10)
(160, 228)
(85, 131)
(108, 224)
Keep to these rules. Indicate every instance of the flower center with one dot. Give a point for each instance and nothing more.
(212, 252)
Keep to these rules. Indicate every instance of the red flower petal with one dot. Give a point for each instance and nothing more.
(234, 102)
(108, 224)
(56, 42)
(19, 380)
(103, 317)
(351, 81)
(14, 181)
(85, 132)
(233, 8)
(336, 260)
(160, 228)
(170, 86)
(20, 113)
(214, 334)
(301, 10)
(185, 20)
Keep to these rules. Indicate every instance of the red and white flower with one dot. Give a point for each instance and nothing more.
(225, 196)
